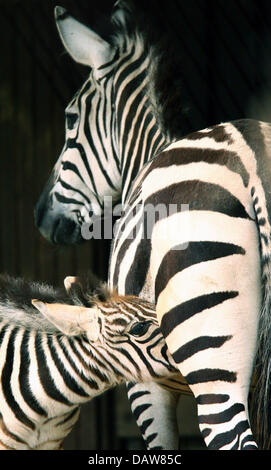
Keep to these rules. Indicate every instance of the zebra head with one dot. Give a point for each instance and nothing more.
(122, 332)
(88, 176)
(79, 179)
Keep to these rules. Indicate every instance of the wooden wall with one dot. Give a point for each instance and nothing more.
(225, 48)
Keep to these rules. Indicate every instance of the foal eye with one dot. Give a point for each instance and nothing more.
(139, 329)
(71, 119)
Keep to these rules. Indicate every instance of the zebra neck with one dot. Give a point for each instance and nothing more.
(138, 136)
(97, 373)
(149, 142)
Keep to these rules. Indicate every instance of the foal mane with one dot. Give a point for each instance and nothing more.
(17, 293)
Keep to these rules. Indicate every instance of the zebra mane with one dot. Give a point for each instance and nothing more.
(138, 24)
(16, 294)
(88, 290)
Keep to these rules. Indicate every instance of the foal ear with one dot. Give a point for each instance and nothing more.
(72, 320)
(69, 281)
(84, 45)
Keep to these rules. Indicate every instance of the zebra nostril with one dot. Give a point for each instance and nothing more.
(90, 214)
(71, 119)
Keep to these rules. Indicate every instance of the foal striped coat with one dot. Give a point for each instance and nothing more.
(65, 350)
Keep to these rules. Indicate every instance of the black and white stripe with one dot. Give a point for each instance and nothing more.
(51, 364)
(205, 274)
(204, 264)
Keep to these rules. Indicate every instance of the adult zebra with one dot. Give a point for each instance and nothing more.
(66, 351)
(205, 274)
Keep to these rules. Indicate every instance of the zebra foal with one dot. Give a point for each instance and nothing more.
(57, 351)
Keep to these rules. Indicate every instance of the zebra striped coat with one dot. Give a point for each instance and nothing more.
(75, 348)
(204, 260)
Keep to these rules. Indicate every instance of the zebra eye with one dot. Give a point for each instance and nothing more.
(139, 329)
(71, 119)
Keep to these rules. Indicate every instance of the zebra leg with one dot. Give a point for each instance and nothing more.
(208, 310)
(223, 417)
(154, 409)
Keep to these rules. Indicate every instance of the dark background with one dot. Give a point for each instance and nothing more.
(223, 50)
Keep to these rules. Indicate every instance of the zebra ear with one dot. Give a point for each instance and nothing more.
(72, 320)
(83, 44)
(69, 281)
